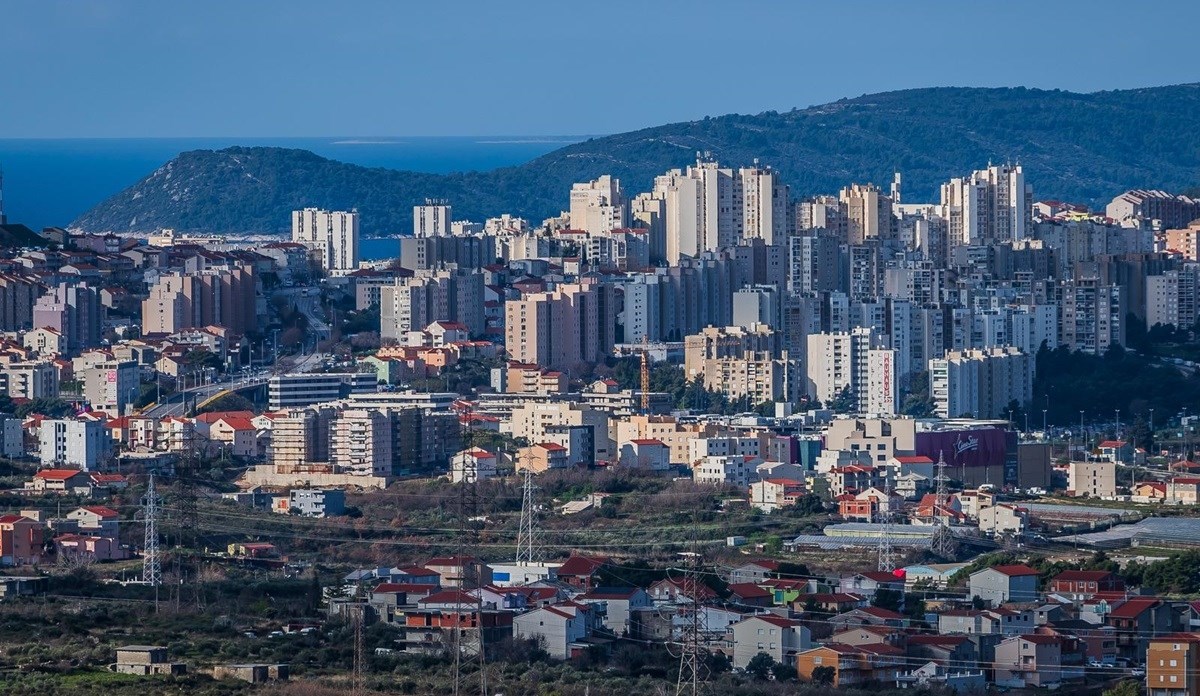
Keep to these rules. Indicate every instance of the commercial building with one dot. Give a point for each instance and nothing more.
(305, 389)
(110, 386)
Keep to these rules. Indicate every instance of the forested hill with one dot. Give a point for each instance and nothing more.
(1077, 147)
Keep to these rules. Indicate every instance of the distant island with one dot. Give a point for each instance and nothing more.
(1082, 148)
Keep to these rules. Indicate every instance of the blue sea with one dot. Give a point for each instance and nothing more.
(52, 182)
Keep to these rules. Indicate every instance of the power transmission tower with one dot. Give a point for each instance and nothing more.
(468, 509)
(186, 470)
(887, 551)
(151, 561)
(690, 653)
(360, 658)
(527, 552)
(943, 544)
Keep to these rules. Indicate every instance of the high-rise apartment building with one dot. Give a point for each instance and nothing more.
(764, 205)
(411, 304)
(331, 236)
(75, 311)
(1168, 210)
(855, 361)
(431, 219)
(204, 298)
(362, 443)
(868, 213)
(990, 206)
(566, 327)
(1091, 315)
(110, 386)
(1171, 298)
(980, 383)
(18, 293)
(813, 262)
(599, 206)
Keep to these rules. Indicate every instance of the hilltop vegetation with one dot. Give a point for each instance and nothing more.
(1078, 147)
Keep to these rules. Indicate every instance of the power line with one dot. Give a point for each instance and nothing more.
(151, 561)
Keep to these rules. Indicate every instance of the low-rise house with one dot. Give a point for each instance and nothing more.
(96, 520)
(556, 628)
(308, 502)
(582, 572)
(949, 676)
(1136, 619)
(92, 548)
(62, 481)
(237, 433)
(453, 569)
(867, 583)
(1085, 584)
(1172, 665)
(836, 602)
(780, 638)
(145, 660)
(648, 454)
(986, 621)
(1003, 518)
(746, 594)
(753, 572)
(850, 665)
(20, 541)
(1004, 583)
(1029, 660)
(773, 494)
(951, 649)
(614, 606)
(869, 635)
(868, 616)
(936, 575)
(671, 591)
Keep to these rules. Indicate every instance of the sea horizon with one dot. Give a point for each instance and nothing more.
(52, 181)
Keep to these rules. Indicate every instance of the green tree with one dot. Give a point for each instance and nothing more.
(1127, 687)
(888, 599)
(823, 675)
(844, 402)
(760, 666)
(783, 672)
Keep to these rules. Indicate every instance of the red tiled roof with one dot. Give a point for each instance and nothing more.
(581, 565)
(775, 620)
(103, 512)
(57, 474)
(1133, 608)
(413, 587)
(748, 590)
(449, 597)
(1082, 576)
(1014, 570)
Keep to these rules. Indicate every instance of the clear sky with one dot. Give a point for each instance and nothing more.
(145, 68)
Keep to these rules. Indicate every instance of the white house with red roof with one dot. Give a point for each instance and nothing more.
(1004, 583)
(237, 433)
(773, 494)
(473, 465)
(558, 628)
(61, 481)
(96, 520)
(780, 638)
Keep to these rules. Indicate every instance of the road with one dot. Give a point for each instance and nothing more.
(174, 405)
(308, 303)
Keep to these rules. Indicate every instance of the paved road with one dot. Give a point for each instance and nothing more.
(174, 404)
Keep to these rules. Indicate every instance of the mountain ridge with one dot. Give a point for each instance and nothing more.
(1079, 147)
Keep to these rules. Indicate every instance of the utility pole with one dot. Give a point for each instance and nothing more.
(360, 658)
(468, 506)
(690, 668)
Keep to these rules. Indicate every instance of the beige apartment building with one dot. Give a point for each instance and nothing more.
(362, 443)
(563, 328)
(1092, 479)
(206, 298)
(533, 420)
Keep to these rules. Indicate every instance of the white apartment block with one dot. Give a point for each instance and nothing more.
(598, 206)
(735, 470)
(1092, 479)
(990, 206)
(331, 236)
(853, 360)
(1171, 298)
(361, 443)
(980, 383)
(67, 443)
(431, 219)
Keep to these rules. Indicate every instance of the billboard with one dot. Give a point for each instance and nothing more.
(991, 449)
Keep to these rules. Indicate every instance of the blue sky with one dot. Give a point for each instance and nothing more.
(124, 68)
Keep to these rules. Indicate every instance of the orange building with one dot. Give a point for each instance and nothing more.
(1173, 665)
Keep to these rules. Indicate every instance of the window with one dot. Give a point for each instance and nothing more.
(1174, 663)
(819, 660)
